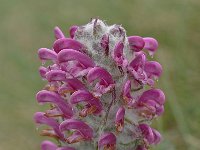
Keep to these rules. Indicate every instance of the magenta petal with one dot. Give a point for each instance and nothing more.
(47, 145)
(136, 43)
(69, 54)
(58, 33)
(40, 118)
(153, 69)
(47, 54)
(151, 44)
(118, 55)
(147, 133)
(107, 139)
(99, 73)
(56, 75)
(51, 97)
(138, 61)
(72, 31)
(43, 71)
(85, 96)
(127, 91)
(157, 136)
(153, 94)
(73, 124)
(67, 43)
(160, 110)
(120, 114)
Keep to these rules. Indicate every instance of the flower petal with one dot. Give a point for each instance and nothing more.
(147, 133)
(69, 54)
(118, 55)
(56, 75)
(85, 96)
(99, 73)
(51, 97)
(72, 31)
(67, 43)
(107, 139)
(40, 118)
(136, 43)
(157, 136)
(151, 44)
(58, 33)
(47, 145)
(43, 71)
(153, 94)
(153, 68)
(47, 54)
(73, 124)
(119, 119)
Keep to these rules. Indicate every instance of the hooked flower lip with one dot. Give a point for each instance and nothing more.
(84, 131)
(136, 43)
(153, 94)
(45, 96)
(94, 104)
(153, 69)
(47, 54)
(56, 75)
(67, 43)
(58, 33)
(99, 73)
(66, 55)
(108, 141)
(151, 135)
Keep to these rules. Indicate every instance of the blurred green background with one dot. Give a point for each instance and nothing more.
(26, 25)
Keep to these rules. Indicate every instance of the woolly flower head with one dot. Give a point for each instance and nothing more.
(100, 87)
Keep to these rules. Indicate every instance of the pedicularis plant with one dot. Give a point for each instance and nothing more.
(100, 87)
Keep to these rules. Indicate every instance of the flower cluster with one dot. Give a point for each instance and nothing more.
(100, 87)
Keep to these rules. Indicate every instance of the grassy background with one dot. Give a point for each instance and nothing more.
(26, 25)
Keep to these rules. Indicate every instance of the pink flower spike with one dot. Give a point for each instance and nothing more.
(107, 141)
(69, 54)
(153, 69)
(136, 43)
(82, 130)
(47, 145)
(118, 55)
(153, 94)
(47, 54)
(94, 104)
(41, 118)
(58, 33)
(72, 31)
(151, 45)
(119, 119)
(56, 75)
(67, 43)
(147, 133)
(52, 97)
